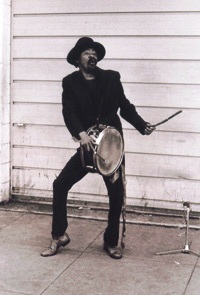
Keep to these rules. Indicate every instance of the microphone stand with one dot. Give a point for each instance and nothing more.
(186, 249)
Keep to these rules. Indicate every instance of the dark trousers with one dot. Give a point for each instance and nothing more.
(71, 174)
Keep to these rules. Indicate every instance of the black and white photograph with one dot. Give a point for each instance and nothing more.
(100, 147)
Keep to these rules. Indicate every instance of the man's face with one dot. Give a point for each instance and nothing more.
(88, 60)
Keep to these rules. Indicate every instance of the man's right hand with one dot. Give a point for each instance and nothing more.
(86, 141)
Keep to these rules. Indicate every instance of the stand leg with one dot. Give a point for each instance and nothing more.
(194, 253)
(170, 252)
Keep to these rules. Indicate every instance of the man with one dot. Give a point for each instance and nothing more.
(91, 96)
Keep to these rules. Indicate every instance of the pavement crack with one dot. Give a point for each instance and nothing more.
(190, 278)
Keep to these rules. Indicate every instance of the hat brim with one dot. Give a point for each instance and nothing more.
(75, 52)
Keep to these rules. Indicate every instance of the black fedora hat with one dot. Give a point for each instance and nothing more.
(83, 44)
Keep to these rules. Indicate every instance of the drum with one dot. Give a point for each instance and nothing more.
(107, 153)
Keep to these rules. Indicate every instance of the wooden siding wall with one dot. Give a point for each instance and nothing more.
(155, 45)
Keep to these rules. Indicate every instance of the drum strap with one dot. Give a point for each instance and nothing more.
(123, 207)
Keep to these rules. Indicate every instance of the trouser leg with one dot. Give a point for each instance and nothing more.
(115, 193)
(71, 174)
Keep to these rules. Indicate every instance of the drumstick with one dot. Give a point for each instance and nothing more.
(177, 113)
(105, 160)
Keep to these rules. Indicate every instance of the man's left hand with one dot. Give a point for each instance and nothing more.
(149, 129)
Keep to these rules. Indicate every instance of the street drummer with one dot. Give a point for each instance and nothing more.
(91, 97)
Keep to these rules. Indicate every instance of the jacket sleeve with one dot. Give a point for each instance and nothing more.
(128, 110)
(69, 111)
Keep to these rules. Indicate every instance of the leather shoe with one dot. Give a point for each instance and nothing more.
(55, 245)
(114, 252)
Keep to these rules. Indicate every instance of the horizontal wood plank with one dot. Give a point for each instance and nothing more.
(116, 47)
(51, 114)
(135, 71)
(44, 114)
(162, 189)
(38, 92)
(170, 143)
(124, 24)
(60, 6)
(154, 95)
(161, 166)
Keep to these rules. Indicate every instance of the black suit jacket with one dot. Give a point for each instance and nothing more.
(78, 107)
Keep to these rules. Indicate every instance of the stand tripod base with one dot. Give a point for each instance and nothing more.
(185, 250)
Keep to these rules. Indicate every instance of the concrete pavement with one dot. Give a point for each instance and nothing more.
(83, 268)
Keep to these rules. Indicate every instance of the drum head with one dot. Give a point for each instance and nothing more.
(109, 151)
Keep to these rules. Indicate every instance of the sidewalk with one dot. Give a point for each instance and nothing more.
(83, 268)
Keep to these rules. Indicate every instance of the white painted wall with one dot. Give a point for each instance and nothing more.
(155, 46)
(4, 100)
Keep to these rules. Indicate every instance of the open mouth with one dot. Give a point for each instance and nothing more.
(92, 62)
